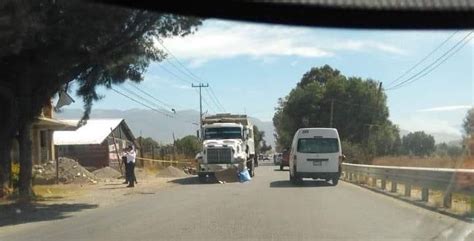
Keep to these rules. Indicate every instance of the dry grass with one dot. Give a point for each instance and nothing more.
(440, 162)
(461, 205)
(47, 192)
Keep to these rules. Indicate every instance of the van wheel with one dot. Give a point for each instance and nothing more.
(334, 181)
(294, 179)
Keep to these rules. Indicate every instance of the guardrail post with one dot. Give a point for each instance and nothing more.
(383, 184)
(425, 192)
(407, 190)
(447, 199)
(393, 186)
(374, 182)
(471, 200)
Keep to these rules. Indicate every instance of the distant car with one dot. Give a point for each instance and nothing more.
(266, 158)
(285, 159)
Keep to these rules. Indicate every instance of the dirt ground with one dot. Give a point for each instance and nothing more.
(69, 198)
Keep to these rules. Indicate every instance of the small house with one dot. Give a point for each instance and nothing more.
(42, 129)
(96, 144)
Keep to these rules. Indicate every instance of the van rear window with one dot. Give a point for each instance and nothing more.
(318, 145)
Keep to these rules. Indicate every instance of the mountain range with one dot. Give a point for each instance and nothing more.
(161, 128)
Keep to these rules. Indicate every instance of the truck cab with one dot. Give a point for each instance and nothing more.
(227, 141)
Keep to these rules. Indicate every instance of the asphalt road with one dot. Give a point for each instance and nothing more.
(268, 208)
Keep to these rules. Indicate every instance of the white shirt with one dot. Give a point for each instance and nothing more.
(131, 155)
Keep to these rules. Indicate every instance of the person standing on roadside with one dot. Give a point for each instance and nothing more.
(131, 155)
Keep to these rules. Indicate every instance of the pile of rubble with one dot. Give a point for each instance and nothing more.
(172, 172)
(227, 175)
(107, 173)
(70, 171)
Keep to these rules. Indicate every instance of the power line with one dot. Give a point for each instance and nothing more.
(217, 99)
(187, 82)
(151, 96)
(130, 92)
(422, 60)
(148, 106)
(187, 72)
(434, 67)
(208, 105)
(428, 69)
(175, 75)
(139, 102)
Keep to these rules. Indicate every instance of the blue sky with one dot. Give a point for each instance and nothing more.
(250, 66)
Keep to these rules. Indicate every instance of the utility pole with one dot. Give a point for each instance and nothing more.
(200, 86)
(378, 92)
(174, 149)
(332, 113)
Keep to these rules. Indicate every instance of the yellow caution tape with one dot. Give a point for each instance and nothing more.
(163, 161)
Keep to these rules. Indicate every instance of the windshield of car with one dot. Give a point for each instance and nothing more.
(109, 117)
(318, 145)
(223, 133)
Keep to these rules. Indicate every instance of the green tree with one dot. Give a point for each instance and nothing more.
(260, 144)
(258, 138)
(188, 145)
(264, 148)
(359, 106)
(451, 150)
(468, 123)
(51, 43)
(418, 143)
(147, 145)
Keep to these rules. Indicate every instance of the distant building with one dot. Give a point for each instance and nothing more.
(92, 144)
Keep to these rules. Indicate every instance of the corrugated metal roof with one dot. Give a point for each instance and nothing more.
(94, 132)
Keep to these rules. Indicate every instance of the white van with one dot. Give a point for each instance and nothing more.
(316, 153)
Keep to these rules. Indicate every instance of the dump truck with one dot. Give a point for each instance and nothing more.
(228, 141)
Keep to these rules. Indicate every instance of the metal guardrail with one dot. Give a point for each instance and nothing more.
(447, 180)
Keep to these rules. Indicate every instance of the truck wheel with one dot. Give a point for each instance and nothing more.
(334, 181)
(202, 178)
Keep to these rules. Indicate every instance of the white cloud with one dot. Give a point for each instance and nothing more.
(221, 40)
(446, 108)
(366, 45)
(430, 125)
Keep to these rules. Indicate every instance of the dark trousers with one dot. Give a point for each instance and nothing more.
(124, 161)
(130, 173)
